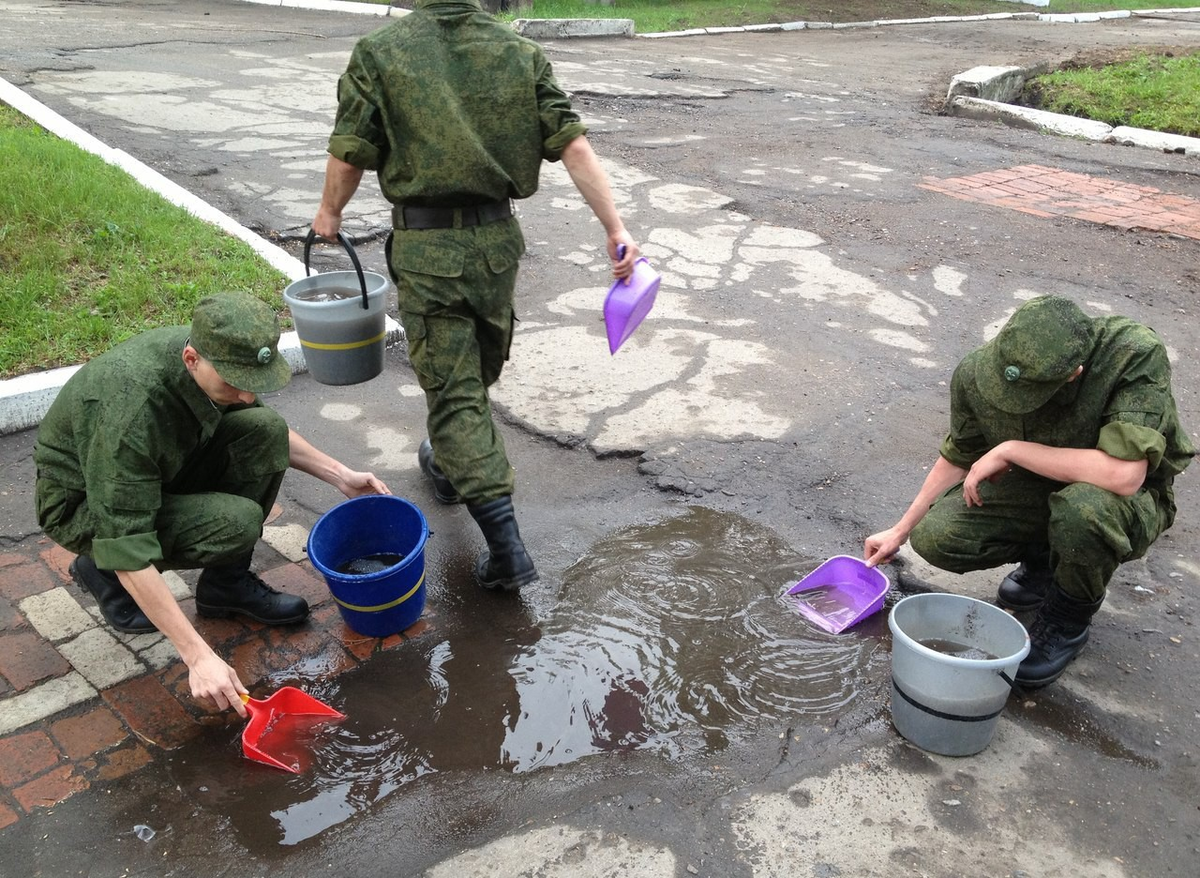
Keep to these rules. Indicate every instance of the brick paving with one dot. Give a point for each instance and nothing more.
(1049, 192)
(82, 705)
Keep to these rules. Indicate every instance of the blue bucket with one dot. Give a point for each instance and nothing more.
(382, 602)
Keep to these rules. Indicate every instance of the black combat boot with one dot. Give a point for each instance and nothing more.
(504, 564)
(443, 491)
(1057, 635)
(223, 591)
(117, 606)
(1025, 588)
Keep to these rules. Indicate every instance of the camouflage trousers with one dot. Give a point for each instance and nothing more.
(211, 513)
(455, 290)
(1088, 531)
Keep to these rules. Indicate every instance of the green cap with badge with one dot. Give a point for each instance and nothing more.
(1035, 354)
(239, 335)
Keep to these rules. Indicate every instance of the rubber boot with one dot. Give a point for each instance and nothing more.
(224, 591)
(504, 564)
(443, 491)
(1057, 635)
(117, 606)
(1024, 590)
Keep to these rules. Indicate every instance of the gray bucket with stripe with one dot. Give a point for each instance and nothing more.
(953, 662)
(340, 319)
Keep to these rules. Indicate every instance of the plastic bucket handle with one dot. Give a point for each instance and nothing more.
(345, 242)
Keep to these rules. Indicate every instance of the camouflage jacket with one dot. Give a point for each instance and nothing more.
(451, 108)
(1122, 404)
(120, 430)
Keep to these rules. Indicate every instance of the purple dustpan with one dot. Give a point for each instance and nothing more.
(627, 304)
(841, 592)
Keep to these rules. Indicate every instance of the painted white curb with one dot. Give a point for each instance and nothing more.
(379, 9)
(24, 400)
(984, 93)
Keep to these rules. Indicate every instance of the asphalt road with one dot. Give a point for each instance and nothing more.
(792, 381)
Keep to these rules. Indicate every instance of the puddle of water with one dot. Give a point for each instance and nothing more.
(675, 637)
(1079, 727)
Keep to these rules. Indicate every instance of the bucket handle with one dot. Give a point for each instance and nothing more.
(345, 242)
(1012, 684)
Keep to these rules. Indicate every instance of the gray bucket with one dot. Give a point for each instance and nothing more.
(947, 696)
(340, 320)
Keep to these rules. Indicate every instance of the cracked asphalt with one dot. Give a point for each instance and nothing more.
(792, 381)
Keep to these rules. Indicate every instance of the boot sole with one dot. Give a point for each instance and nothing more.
(1042, 682)
(1017, 608)
(211, 612)
(508, 584)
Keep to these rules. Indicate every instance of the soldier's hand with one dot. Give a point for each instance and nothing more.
(215, 682)
(882, 547)
(357, 484)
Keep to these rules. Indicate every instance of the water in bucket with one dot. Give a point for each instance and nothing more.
(953, 658)
(327, 294)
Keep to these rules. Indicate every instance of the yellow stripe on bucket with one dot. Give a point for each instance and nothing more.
(342, 346)
(387, 606)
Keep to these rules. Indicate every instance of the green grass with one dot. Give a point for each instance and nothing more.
(1156, 92)
(88, 257)
(656, 16)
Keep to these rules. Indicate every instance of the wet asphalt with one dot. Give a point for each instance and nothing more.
(778, 407)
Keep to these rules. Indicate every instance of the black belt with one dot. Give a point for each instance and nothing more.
(410, 217)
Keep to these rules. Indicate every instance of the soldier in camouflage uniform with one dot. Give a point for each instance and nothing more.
(456, 113)
(157, 455)
(1064, 443)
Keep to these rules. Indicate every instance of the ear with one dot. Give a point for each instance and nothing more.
(190, 357)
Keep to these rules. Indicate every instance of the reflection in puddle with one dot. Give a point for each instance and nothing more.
(675, 637)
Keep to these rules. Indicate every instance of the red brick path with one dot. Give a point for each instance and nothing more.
(125, 726)
(1049, 192)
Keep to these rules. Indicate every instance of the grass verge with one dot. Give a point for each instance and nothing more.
(657, 16)
(89, 257)
(1158, 92)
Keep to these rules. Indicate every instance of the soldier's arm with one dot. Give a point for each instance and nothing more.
(591, 181)
(304, 456)
(881, 547)
(209, 676)
(341, 182)
(1091, 465)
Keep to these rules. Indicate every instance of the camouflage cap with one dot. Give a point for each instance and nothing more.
(1036, 353)
(239, 335)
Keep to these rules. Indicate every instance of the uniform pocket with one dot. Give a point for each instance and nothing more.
(503, 245)
(437, 258)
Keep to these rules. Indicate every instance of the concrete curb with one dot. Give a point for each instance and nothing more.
(378, 9)
(566, 28)
(984, 93)
(24, 400)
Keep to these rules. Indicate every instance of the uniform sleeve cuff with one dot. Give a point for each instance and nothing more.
(1126, 441)
(553, 146)
(354, 151)
(130, 552)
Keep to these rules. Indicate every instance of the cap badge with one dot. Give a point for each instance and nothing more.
(264, 356)
(1011, 373)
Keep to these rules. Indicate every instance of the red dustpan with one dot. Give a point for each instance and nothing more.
(268, 714)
